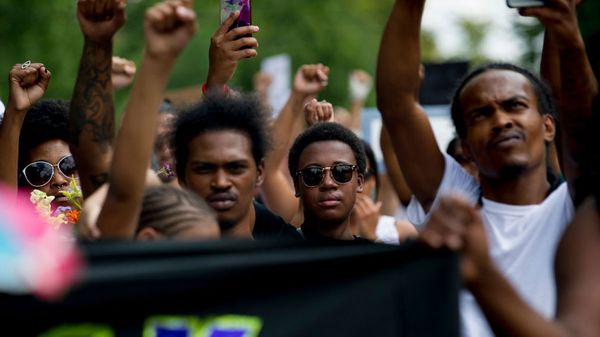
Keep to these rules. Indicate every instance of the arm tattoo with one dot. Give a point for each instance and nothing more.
(92, 109)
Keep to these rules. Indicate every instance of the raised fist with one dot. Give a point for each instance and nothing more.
(122, 72)
(100, 19)
(28, 83)
(169, 26)
(315, 112)
(311, 79)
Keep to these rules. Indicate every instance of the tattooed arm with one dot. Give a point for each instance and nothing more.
(92, 110)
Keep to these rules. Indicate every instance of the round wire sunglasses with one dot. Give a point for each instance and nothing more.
(40, 172)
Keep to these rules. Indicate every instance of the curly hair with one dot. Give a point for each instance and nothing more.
(46, 120)
(543, 93)
(242, 113)
(323, 132)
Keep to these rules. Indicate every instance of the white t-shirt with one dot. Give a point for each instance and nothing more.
(386, 231)
(522, 242)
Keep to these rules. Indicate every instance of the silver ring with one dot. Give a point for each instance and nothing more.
(26, 64)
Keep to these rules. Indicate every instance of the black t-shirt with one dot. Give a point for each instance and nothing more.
(269, 225)
(310, 234)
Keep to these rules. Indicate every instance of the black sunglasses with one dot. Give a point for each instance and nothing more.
(313, 175)
(40, 172)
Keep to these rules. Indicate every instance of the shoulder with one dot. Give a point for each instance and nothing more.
(269, 225)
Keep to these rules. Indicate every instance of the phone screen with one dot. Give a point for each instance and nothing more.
(524, 3)
(230, 6)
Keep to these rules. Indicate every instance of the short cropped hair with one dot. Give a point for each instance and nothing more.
(242, 113)
(543, 93)
(165, 208)
(46, 120)
(324, 132)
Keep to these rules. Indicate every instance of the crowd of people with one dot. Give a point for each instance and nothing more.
(515, 194)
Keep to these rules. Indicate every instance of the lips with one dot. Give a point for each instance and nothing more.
(329, 201)
(221, 201)
(508, 138)
(60, 200)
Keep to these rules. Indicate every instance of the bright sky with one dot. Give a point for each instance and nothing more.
(441, 17)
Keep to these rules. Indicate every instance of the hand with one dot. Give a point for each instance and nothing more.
(123, 72)
(311, 79)
(262, 82)
(457, 225)
(367, 214)
(559, 17)
(100, 19)
(86, 227)
(360, 84)
(315, 112)
(227, 48)
(169, 26)
(27, 85)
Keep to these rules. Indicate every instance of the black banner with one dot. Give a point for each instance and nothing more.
(244, 289)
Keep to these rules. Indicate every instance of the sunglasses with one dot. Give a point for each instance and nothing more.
(312, 176)
(39, 173)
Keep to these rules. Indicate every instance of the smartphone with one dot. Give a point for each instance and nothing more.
(230, 6)
(524, 3)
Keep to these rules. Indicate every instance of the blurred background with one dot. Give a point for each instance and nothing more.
(344, 35)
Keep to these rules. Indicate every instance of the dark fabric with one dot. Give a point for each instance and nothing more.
(311, 234)
(296, 289)
(269, 225)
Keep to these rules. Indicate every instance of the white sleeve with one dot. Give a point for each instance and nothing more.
(455, 180)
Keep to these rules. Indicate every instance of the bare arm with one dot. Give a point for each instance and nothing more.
(277, 188)
(168, 28)
(92, 110)
(27, 85)
(393, 168)
(578, 85)
(398, 83)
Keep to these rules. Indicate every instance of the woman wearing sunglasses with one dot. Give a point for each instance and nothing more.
(326, 162)
(45, 161)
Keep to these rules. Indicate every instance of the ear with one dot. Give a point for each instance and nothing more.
(148, 234)
(360, 182)
(466, 150)
(549, 128)
(296, 180)
(260, 172)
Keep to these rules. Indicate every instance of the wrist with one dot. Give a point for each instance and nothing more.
(12, 111)
(300, 98)
(205, 88)
(483, 277)
(160, 61)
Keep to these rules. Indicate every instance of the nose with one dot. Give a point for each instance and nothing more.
(501, 120)
(220, 180)
(59, 181)
(328, 181)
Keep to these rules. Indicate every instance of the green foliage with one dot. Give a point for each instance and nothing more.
(474, 32)
(342, 34)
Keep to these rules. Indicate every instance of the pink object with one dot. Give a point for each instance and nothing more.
(35, 257)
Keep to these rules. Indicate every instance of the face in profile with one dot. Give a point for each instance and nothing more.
(50, 169)
(328, 182)
(222, 170)
(505, 130)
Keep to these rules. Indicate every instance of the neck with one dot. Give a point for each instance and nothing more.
(529, 187)
(243, 229)
(340, 231)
